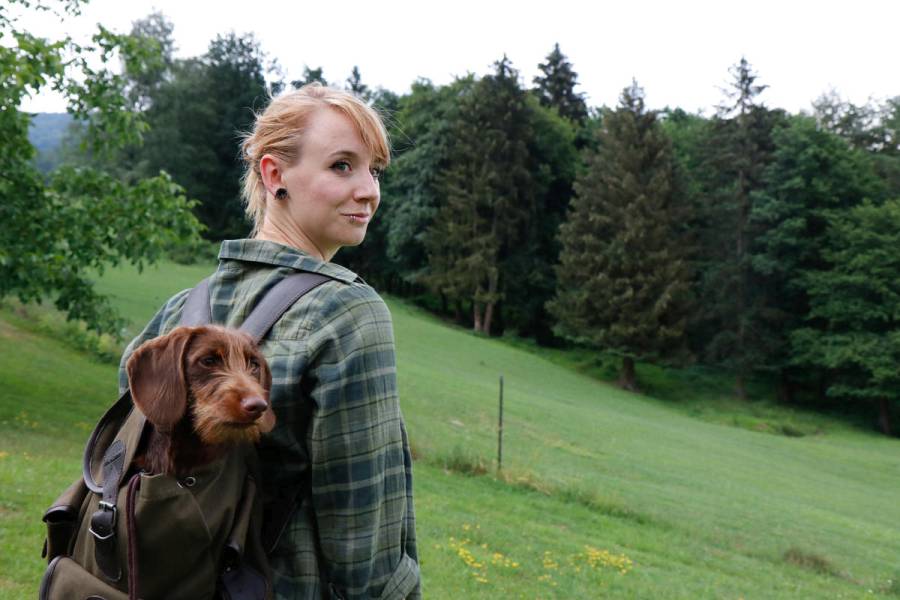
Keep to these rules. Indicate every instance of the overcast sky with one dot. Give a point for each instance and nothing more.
(679, 51)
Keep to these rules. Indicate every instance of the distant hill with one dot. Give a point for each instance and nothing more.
(46, 134)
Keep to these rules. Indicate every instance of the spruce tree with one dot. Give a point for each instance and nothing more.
(556, 87)
(740, 147)
(623, 277)
(355, 85)
(487, 194)
(310, 76)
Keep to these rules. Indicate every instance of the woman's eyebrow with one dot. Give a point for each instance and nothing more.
(351, 153)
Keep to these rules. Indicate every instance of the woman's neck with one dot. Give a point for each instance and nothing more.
(283, 231)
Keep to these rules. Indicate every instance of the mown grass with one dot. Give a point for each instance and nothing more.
(602, 493)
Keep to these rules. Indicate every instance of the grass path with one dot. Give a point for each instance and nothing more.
(596, 481)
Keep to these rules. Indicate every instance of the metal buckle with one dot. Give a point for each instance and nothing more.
(105, 507)
(101, 538)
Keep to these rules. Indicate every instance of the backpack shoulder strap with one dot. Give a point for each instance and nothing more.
(278, 300)
(196, 308)
(265, 314)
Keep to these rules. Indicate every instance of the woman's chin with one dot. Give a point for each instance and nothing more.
(355, 239)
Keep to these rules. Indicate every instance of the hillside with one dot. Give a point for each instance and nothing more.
(46, 134)
(603, 493)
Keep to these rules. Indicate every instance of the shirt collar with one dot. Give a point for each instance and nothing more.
(272, 253)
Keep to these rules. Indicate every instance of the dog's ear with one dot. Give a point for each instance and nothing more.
(156, 378)
(267, 421)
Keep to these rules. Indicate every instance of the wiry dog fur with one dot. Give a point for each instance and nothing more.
(204, 390)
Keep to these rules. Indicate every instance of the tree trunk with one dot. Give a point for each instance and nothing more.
(785, 388)
(627, 378)
(489, 311)
(822, 388)
(740, 387)
(884, 416)
(458, 311)
(488, 317)
(476, 315)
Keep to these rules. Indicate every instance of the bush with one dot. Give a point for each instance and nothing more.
(195, 251)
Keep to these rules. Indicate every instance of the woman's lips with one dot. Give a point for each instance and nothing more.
(358, 217)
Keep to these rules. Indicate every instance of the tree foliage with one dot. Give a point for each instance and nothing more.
(623, 274)
(813, 174)
(197, 114)
(738, 149)
(854, 319)
(488, 194)
(55, 232)
(555, 87)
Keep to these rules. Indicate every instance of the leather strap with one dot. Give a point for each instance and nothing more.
(265, 314)
(103, 521)
(278, 300)
(196, 307)
(108, 426)
(134, 486)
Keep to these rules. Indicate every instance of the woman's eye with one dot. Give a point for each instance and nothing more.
(376, 173)
(342, 165)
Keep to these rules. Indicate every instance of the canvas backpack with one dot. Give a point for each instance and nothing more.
(119, 534)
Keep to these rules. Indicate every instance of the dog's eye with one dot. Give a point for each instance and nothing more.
(210, 361)
(254, 365)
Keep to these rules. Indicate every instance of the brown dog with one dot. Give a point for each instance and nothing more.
(204, 390)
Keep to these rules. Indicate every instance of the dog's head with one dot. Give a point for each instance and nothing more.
(215, 376)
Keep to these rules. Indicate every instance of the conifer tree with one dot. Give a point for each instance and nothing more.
(740, 148)
(310, 76)
(487, 194)
(623, 277)
(556, 87)
(355, 84)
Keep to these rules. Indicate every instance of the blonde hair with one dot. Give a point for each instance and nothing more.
(278, 131)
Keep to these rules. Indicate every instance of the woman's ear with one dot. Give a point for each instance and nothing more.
(271, 171)
(156, 378)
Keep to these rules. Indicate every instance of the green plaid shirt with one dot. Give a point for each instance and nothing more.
(339, 430)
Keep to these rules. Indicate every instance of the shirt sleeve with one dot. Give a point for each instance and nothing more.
(358, 451)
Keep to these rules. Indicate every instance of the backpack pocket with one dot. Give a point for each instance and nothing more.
(63, 519)
(65, 579)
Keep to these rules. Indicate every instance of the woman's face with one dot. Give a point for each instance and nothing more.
(333, 189)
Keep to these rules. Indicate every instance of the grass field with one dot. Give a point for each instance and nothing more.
(602, 494)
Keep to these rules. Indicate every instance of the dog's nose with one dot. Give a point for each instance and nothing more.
(254, 406)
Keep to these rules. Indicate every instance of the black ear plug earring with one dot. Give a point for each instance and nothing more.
(281, 194)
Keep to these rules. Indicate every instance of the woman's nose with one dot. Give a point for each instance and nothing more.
(367, 187)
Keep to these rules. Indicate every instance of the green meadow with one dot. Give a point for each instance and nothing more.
(602, 494)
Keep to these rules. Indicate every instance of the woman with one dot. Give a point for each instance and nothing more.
(312, 164)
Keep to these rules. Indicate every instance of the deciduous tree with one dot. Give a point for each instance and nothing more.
(855, 308)
(56, 232)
